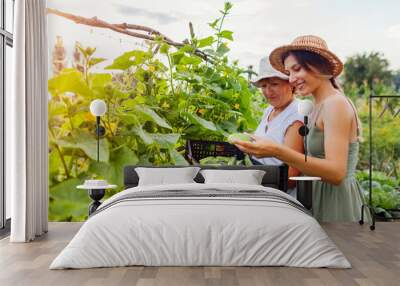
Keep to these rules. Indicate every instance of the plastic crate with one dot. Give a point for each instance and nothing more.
(199, 149)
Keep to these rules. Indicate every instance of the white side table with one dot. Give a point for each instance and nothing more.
(304, 189)
(96, 193)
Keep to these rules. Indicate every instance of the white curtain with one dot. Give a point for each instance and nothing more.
(26, 121)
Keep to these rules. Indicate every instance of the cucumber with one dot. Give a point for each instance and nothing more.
(238, 136)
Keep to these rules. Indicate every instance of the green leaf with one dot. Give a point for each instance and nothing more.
(67, 202)
(176, 57)
(113, 171)
(87, 143)
(210, 52)
(83, 51)
(235, 84)
(166, 140)
(227, 6)
(382, 212)
(56, 108)
(54, 163)
(193, 118)
(185, 49)
(87, 52)
(69, 80)
(189, 77)
(213, 102)
(146, 137)
(78, 119)
(222, 49)
(149, 114)
(99, 79)
(214, 23)
(98, 83)
(129, 59)
(67, 190)
(247, 160)
(217, 89)
(192, 60)
(178, 158)
(164, 48)
(120, 94)
(205, 42)
(222, 131)
(226, 34)
(90, 51)
(95, 61)
(128, 118)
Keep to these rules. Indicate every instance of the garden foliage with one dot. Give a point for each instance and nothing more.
(156, 98)
(161, 96)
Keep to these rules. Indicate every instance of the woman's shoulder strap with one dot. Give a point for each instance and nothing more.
(355, 115)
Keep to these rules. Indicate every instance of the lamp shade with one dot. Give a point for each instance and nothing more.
(305, 107)
(98, 107)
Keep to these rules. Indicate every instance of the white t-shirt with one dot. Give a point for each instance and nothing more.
(276, 128)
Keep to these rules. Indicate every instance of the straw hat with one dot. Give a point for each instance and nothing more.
(307, 43)
(267, 71)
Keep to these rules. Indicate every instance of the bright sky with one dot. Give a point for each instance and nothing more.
(349, 27)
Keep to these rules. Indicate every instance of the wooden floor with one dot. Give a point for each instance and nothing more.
(375, 257)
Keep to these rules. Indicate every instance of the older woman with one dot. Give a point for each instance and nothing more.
(280, 121)
(333, 138)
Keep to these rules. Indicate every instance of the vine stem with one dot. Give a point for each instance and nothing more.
(220, 27)
(170, 73)
(108, 120)
(59, 152)
(70, 167)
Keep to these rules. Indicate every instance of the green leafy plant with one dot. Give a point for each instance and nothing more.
(385, 191)
(156, 98)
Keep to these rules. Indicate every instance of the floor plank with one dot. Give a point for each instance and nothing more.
(374, 255)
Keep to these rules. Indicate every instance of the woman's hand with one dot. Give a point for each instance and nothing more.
(258, 147)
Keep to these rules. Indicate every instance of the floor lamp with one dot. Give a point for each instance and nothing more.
(98, 108)
(96, 192)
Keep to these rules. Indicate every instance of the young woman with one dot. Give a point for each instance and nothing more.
(333, 137)
(281, 120)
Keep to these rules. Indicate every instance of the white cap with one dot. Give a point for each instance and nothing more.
(305, 107)
(267, 71)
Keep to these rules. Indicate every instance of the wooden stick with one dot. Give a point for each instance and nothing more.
(123, 28)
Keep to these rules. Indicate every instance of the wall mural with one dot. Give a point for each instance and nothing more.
(158, 95)
(177, 77)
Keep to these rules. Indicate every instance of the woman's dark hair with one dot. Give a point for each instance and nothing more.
(309, 60)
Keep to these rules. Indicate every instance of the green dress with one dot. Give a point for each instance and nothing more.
(336, 203)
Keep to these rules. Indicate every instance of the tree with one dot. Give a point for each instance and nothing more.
(396, 80)
(367, 71)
